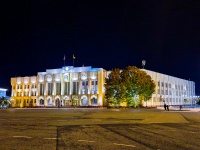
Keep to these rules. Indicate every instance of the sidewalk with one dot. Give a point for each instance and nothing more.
(190, 109)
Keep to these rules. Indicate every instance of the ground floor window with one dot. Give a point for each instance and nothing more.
(67, 102)
(75, 103)
(84, 101)
(94, 101)
(41, 102)
(49, 102)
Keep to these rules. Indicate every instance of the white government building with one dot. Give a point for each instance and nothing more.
(171, 90)
(84, 86)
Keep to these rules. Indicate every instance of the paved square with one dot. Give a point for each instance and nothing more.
(99, 129)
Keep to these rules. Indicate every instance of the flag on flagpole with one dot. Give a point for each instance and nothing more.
(74, 57)
(64, 57)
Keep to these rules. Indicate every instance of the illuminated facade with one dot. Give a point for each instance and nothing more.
(3, 92)
(171, 90)
(84, 86)
(67, 86)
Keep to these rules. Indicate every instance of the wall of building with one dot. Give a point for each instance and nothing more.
(64, 87)
(84, 86)
(171, 90)
(3, 92)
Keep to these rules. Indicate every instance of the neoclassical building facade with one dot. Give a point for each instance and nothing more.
(84, 86)
(67, 86)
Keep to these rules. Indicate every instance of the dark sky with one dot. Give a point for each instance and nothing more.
(34, 36)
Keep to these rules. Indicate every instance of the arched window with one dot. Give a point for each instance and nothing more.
(94, 101)
(49, 101)
(84, 101)
(41, 102)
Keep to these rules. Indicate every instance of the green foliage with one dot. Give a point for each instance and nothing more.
(125, 85)
(185, 100)
(198, 101)
(4, 101)
(31, 103)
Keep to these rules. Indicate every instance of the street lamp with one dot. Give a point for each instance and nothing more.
(143, 63)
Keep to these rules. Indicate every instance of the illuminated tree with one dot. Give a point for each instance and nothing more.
(198, 101)
(113, 87)
(137, 83)
(185, 100)
(127, 84)
(4, 101)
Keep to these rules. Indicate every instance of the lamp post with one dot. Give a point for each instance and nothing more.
(143, 63)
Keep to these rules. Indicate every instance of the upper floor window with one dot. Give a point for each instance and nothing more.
(58, 88)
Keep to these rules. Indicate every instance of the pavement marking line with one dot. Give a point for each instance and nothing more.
(52, 138)
(124, 145)
(27, 137)
(85, 141)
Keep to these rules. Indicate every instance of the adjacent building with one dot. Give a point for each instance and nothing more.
(84, 86)
(3, 92)
(171, 90)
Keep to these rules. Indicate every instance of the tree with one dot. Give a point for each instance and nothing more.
(138, 83)
(113, 87)
(185, 100)
(198, 101)
(130, 77)
(127, 84)
(147, 88)
(4, 101)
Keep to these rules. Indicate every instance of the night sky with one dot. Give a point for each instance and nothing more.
(34, 36)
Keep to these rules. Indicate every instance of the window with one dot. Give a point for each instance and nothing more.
(41, 102)
(94, 87)
(41, 89)
(84, 89)
(58, 88)
(162, 92)
(94, 101)
(158, 91)
(67, 88)
(50, 88)
(75, 88)
(170, 92)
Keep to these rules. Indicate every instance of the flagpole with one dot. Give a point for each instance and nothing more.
(64, 60)
(73, 60)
